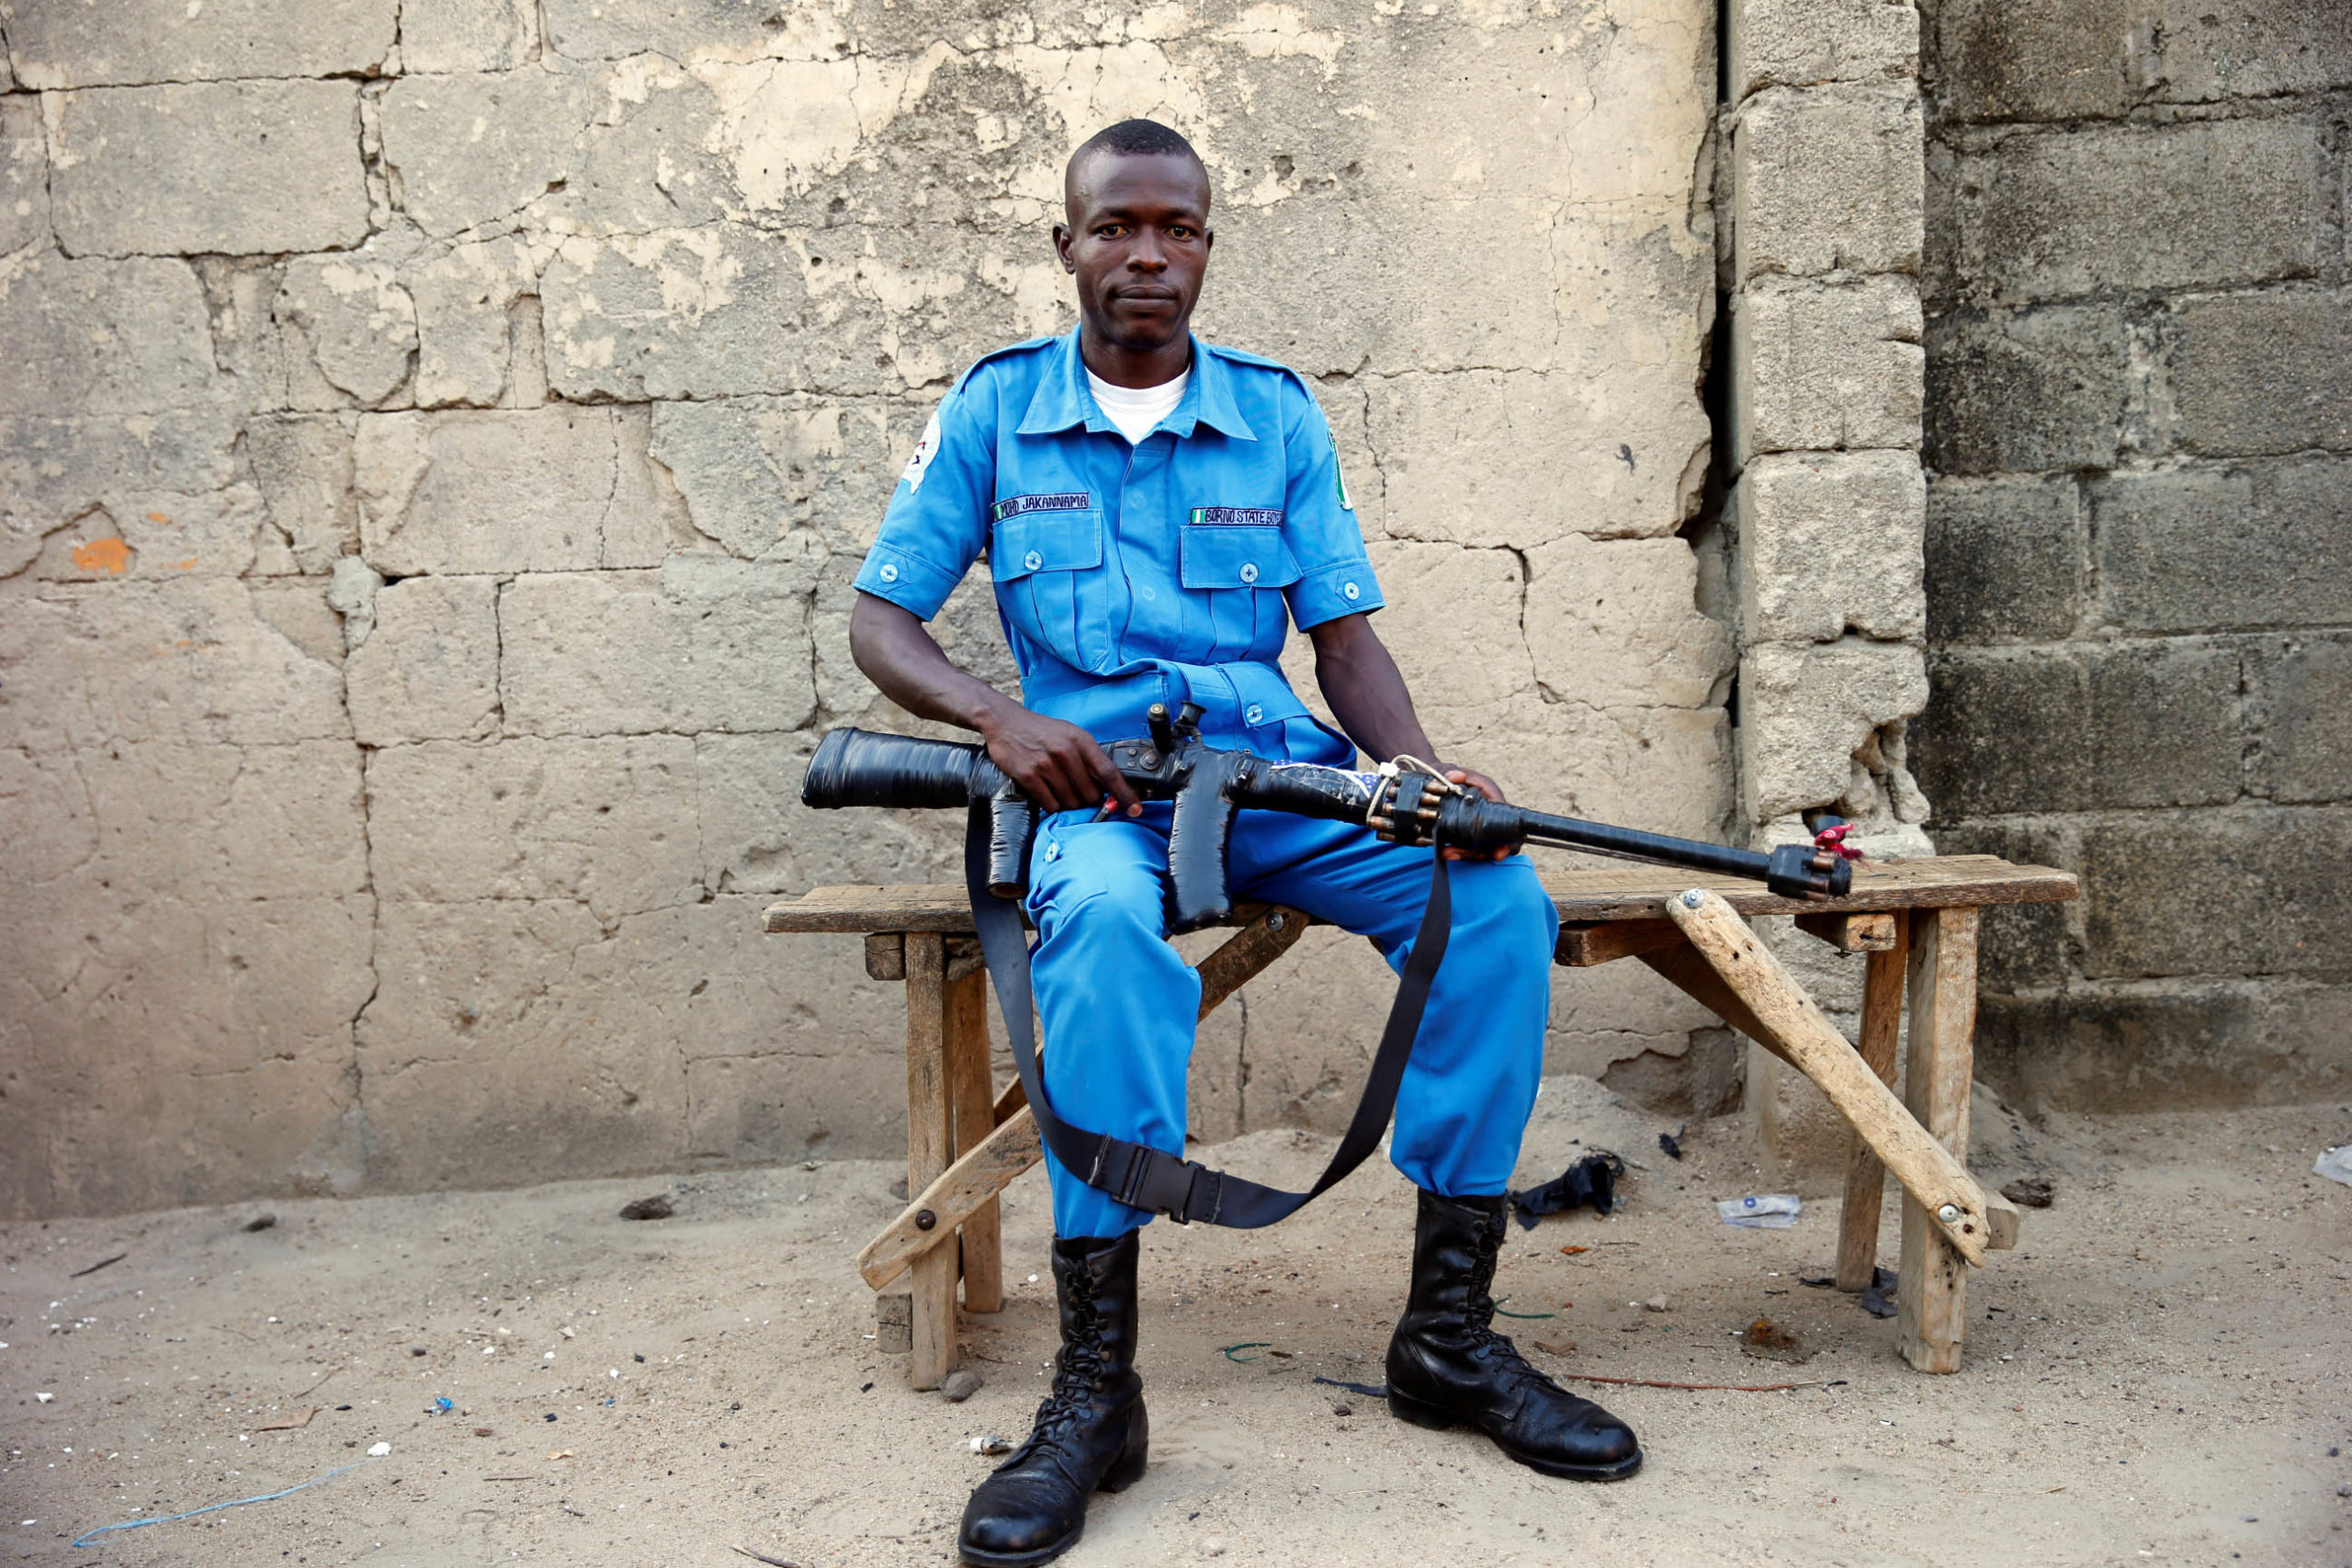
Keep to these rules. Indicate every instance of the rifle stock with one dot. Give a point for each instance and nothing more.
(857, 767)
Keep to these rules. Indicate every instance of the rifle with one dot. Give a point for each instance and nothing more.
(854, 767)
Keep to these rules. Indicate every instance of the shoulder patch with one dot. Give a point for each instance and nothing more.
(919, 466)
(1029, 346)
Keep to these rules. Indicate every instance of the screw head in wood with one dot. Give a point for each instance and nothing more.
(1948, 1213)
(1693, 899)
(925, 1219)
(1276, 921)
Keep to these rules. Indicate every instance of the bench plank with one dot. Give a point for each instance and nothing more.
(1922, 1163)
(1618, 892)
(1240, 956)
(1628, 892)
(973, 1181)
(1868, 931)
(1589, 946)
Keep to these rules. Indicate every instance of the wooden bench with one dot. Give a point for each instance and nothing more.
(1915, 920)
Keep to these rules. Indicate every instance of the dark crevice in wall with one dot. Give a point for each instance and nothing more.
(1709, 1078)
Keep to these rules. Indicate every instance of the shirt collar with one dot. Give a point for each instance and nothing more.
(1064, 400)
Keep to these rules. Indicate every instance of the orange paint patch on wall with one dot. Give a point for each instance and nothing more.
(157, 517)
(188, 564)
(103, 555)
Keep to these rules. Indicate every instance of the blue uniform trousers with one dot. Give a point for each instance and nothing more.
(1117, 1002)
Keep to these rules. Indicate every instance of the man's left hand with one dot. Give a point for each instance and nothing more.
(1493, 792)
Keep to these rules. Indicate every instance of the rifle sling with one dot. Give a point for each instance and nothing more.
(1154, 1179)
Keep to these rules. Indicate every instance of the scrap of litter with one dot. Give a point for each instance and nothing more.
(764, 1557)
(1695, 1387)
(1373, 1391)
(216, 1508)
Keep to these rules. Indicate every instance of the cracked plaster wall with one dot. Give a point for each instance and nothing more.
(441, 437)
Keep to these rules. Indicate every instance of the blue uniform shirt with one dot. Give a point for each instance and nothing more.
(1167, 571)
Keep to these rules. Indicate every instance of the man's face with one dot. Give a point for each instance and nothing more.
(1138, 239)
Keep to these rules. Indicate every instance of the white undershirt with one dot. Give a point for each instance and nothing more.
(1135, 410)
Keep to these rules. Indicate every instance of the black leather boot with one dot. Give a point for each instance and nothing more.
(1446, 1363)
(1091, 1432)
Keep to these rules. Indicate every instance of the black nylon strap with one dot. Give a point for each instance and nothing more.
(1153, 1179)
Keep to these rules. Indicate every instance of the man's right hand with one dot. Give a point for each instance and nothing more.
(1057, 765)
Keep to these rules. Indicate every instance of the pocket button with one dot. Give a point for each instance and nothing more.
(1248, 571)
(1032, 560)
(1254, 713)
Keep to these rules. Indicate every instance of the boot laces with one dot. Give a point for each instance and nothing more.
(1078, 1373)
(1488, 1343)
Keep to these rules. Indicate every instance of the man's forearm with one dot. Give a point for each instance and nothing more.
(896, 653)
(1367, 695)
(1059, 765)
(1367, 691)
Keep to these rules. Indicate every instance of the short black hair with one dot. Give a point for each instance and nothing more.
(1135, 136)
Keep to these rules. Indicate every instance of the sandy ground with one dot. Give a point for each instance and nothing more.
(2162, 1372)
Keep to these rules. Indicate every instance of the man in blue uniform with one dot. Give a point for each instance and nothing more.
(1157, 513)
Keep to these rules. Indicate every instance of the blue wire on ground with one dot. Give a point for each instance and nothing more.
(215, 1507)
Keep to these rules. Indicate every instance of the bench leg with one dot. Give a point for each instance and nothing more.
(969, 1087)
(929, 1144)
(1865, 1175)
(996, 1143)
(1970, 1219)
(1932, 1299)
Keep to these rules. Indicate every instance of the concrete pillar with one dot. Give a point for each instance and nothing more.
(1823, 210)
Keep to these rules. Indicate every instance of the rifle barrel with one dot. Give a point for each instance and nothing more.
(1568, 832)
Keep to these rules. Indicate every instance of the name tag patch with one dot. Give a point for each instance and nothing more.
(1237, 516)
(1068, 501)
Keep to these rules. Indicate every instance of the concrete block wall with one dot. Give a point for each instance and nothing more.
(2140, 535)
(1825, 498)
(438, 438)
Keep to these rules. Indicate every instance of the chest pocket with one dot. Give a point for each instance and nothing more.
(1045, 567)
(1212, 556)
(1223, 556)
